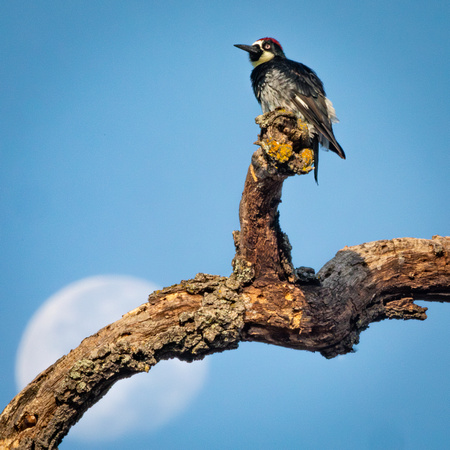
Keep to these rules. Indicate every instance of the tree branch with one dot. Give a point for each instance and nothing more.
(262, 250)
(265, 300)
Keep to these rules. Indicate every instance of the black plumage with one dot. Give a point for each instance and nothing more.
(281, 82)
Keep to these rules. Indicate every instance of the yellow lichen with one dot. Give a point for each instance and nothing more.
(307, 155)
(302, 126)
(279, 152)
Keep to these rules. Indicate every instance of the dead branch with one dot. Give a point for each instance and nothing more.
(265, 300)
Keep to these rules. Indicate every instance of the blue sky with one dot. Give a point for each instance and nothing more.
(126, 134)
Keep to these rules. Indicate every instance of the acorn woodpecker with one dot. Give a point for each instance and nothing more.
(281, 82)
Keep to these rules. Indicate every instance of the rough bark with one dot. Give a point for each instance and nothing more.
(265, 300)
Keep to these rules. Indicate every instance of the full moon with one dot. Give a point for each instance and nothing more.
(79, 310)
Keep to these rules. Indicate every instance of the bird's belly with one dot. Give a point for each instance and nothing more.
(271, 99)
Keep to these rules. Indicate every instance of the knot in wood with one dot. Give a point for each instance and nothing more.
(286, 143)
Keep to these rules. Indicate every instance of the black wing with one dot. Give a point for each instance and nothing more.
(310, 92)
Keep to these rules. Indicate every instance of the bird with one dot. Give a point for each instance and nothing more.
(280, 82)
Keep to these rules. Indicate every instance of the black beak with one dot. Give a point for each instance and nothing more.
(252, 49)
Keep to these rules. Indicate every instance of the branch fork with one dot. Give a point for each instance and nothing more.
(265, 299)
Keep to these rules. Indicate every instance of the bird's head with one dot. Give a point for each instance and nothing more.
(263, 50)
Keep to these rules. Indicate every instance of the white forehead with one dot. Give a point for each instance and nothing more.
(258, 42)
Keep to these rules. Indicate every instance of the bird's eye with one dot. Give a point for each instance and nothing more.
(267, 46)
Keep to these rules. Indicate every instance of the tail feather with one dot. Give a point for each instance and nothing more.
(316, 160)
(336, 148)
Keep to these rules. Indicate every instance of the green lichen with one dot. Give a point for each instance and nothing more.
(84, 366)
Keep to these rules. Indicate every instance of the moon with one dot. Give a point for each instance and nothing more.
(79, 310)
